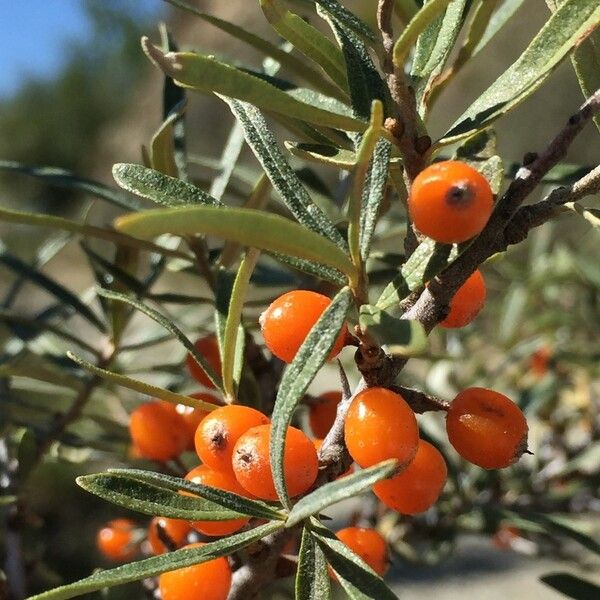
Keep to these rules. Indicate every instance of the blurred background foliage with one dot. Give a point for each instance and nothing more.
(538, 339)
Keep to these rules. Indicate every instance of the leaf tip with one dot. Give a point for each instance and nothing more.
(166, 62)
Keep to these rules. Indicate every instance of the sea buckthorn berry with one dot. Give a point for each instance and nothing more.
(467, 302)
(208, 347)
(193, 416)
(486, 428)
(380, 425)
(450, 202)
(252, 464)
(221, 481)
(219, 431)
(322, 413)
(175, 530)
(157, 431)
(116, 540)
(209, 580)
(288, 320)
(419, 486)
(367, 544)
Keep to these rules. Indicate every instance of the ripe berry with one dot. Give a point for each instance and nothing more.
(175, 530)
(208, 347)
(209, 580)
(380, 425)
(419, 486)
(486, 428)
(322, 413)
(157, 431)
(288, 320)
(219, 431)
(116, 540)
(467, 302)
(193, 416)
(450, 202)
(221, 481)
(252, 464)
(367, 544)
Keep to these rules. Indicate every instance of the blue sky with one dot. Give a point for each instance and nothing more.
(33, 34)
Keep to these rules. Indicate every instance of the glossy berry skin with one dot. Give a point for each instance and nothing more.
(288, 320)
(208, 347)
(193, 416)
(222, 481)
(367, 544)
(380, 425)
(210, 580)
(419, 486)
(176, 530)
(467, 303)
(219, 431)
(450, 202)
(322, 413)
(158, 431)
(116, 540)
(486, 428)
(252, 465)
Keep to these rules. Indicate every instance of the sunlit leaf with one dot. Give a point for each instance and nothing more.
(312, 579)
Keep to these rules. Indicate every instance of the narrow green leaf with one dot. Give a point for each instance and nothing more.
(229, 157)
(52, 287)
(445, 38)
(8, 500)
(312, 579)
(160, 188)
(406, 9)
(162, 145)
(233, 329)
(228, 500)
(284, 180)
(586, 62)
(565, 29)
(62, 178)
(340, 489)
(373, 194)
(401, 336)
(323, 154)
(170, 327)
(253, 228)
(156, 565)
(348, 19)
(43, 220)
(208, 75)
(287, 60)
(498, 20)
(26, 453)
(312, 268)
(308, 40)
(364, 81)
(571, 586)
(413, 30)
(359, 581)
(297, 377)
(153, 500)
(139, 386)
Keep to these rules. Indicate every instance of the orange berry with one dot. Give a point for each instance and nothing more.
(367, 544)
(157, 431)
(252, 464)
(540, 361)
(116, 540)
(208, 347)
(220, 481)
(486, 428)
(467, 302)
(318, 443)
(322, 413)
(380, 425)
(175, 530)
(419, 486)
(193, 416)
(288, 320)
(219, 431)
(450, 202)
(209, 580)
